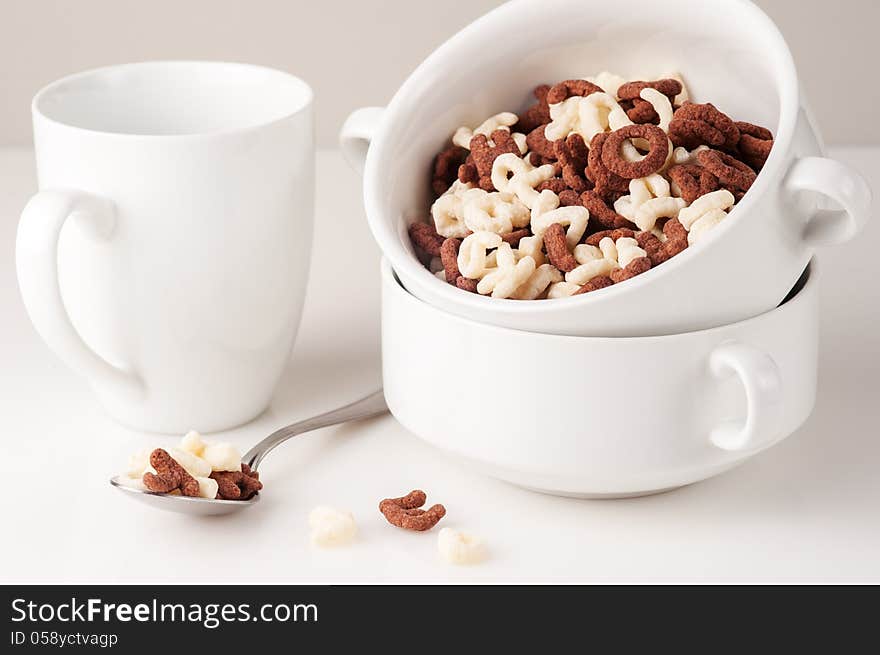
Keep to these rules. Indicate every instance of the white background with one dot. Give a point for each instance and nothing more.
(804, 511)
(357, 52)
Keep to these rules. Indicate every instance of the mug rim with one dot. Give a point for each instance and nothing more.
(391, 278)
(384, 228)
(52, 87)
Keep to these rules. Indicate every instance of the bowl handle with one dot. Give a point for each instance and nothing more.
(760, 377)
(841, 184)
(356, 134)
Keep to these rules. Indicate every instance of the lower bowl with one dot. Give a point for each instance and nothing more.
(599, 417)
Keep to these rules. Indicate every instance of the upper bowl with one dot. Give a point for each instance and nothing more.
(729, 52)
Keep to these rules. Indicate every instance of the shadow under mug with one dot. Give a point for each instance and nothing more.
(166, 253)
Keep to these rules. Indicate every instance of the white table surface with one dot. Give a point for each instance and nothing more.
(808, 510)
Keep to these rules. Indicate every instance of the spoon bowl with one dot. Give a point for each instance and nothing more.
(184, 504)
(372, 405)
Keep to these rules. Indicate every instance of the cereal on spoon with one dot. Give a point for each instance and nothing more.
(600, 180)
(197, 468)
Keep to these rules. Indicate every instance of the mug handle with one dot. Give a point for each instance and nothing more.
(760, 377)
(841, 184)
(36, 256)
(356, 134)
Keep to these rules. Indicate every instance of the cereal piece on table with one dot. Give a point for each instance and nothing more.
(729, 170)
(695, 125)
(331, 527)
(557, 248)
(537, 114)
(237, 485)
(460, 547)
(594, 284)
(405, 512)
(425, 238)
(538, 282)
(446, 166)
(635, 267)
(169, 476)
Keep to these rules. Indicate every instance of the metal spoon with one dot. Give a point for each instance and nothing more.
(372, 405)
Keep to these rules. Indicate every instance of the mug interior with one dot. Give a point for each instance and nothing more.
(172, 98)
(728, 52)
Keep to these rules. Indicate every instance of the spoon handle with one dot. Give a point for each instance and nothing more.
(371, 405)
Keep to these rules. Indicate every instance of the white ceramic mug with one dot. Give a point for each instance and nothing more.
(730, 53)
(165, 256)
(599, 417)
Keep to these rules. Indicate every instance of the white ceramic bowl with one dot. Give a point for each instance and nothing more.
(599, 417)
(730, 53)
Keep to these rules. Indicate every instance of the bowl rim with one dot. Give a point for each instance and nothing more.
(802, 291)
(405, 263)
